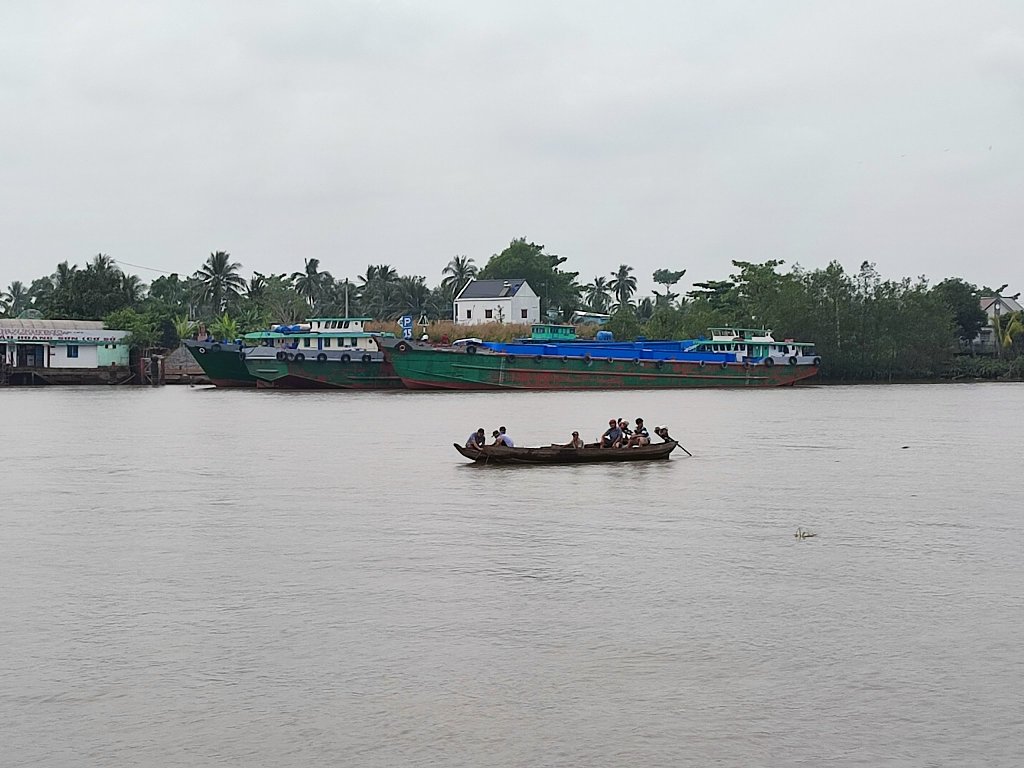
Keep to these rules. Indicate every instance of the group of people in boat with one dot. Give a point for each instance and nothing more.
(499, 436)
(618, 435)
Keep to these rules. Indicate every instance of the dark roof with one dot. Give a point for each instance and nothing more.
(491, 289)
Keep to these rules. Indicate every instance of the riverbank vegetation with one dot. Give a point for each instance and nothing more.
(866, 328)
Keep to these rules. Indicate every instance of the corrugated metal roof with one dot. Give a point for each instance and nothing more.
(491, 289)
(18, 324)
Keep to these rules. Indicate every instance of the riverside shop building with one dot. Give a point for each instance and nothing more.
(72, 346)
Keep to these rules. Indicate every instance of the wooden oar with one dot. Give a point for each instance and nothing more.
(684, 450)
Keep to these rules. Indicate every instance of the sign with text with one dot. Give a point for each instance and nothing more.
(405, 322)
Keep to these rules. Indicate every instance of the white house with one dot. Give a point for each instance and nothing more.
(994, 307)
(497, 301)
(61, 344)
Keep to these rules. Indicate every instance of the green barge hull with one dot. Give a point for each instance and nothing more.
(329, 374)
(423, 367)
(222, 363)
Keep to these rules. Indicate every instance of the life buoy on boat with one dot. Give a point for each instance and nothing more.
(792, 361)
(587, 358)
(769, 362)
(636, 361)
(366, 357)
(701, 364)
(282, 355)
(725, 364)
(816, 361)
(299, 357)
(215, 347)
(471, 349)
(346, 357)
(538, 358)
(402, 346)
(565, 358)
(291, 356)
(322, 357)
(609, 361)
(659, 364)
(202, 350)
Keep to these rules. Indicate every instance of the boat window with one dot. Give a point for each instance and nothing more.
(345, 324)
(305, 342)
(327, 343)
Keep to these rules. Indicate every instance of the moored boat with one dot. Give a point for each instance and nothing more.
(322, 353)
(558, 454)
(222, 362)
(731, 357)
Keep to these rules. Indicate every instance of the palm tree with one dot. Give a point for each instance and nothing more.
(15, 298)
(220, 280)
(459, 271)
(132, 289)
(597, 294)
(102, 265)
(310, 282)
(377, 289)
(63, 276)
(622, 284)
(412, 296)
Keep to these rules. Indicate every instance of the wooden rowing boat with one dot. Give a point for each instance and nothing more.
(556, 454)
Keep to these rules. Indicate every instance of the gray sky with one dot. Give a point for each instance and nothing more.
(658, 134)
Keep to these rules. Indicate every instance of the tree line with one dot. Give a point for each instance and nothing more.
(865, 327)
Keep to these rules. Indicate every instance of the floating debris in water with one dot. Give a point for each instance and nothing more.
(802, 534)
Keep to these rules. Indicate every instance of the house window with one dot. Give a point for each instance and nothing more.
(488, 313)
(526, 314)
(72, 350)
(469, 314)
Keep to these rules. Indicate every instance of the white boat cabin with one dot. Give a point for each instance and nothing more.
(320, 338)
(755, 344)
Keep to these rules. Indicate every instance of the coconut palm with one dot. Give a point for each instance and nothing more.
(622, 284)
(15, 298)
(310, 283)
(460, 270)
(220, 280)
(378, 289)
(63, 276)
(597, 294)
(132, 289)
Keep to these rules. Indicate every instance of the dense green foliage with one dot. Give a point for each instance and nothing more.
(865, 327)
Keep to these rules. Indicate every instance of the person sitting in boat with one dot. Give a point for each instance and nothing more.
(612, 437)
(499, 439)
(662, 432)
(627, 433)
(641, 436)
(505, 438)
(477, 439)
(576, 442)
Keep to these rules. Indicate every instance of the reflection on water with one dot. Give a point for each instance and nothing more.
(196, 576)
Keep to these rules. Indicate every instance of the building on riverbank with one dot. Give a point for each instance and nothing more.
(496, 301)
(62, 352)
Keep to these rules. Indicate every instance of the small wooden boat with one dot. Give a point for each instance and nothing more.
(557, 454)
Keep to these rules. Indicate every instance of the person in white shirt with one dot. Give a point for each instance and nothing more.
(505, 438)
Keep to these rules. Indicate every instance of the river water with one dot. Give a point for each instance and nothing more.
(191, 576)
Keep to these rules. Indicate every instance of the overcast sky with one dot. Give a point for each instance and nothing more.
(658, 134)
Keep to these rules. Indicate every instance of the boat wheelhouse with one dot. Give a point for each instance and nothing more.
(321, 353)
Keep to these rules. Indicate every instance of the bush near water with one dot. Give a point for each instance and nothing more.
(866, 328)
